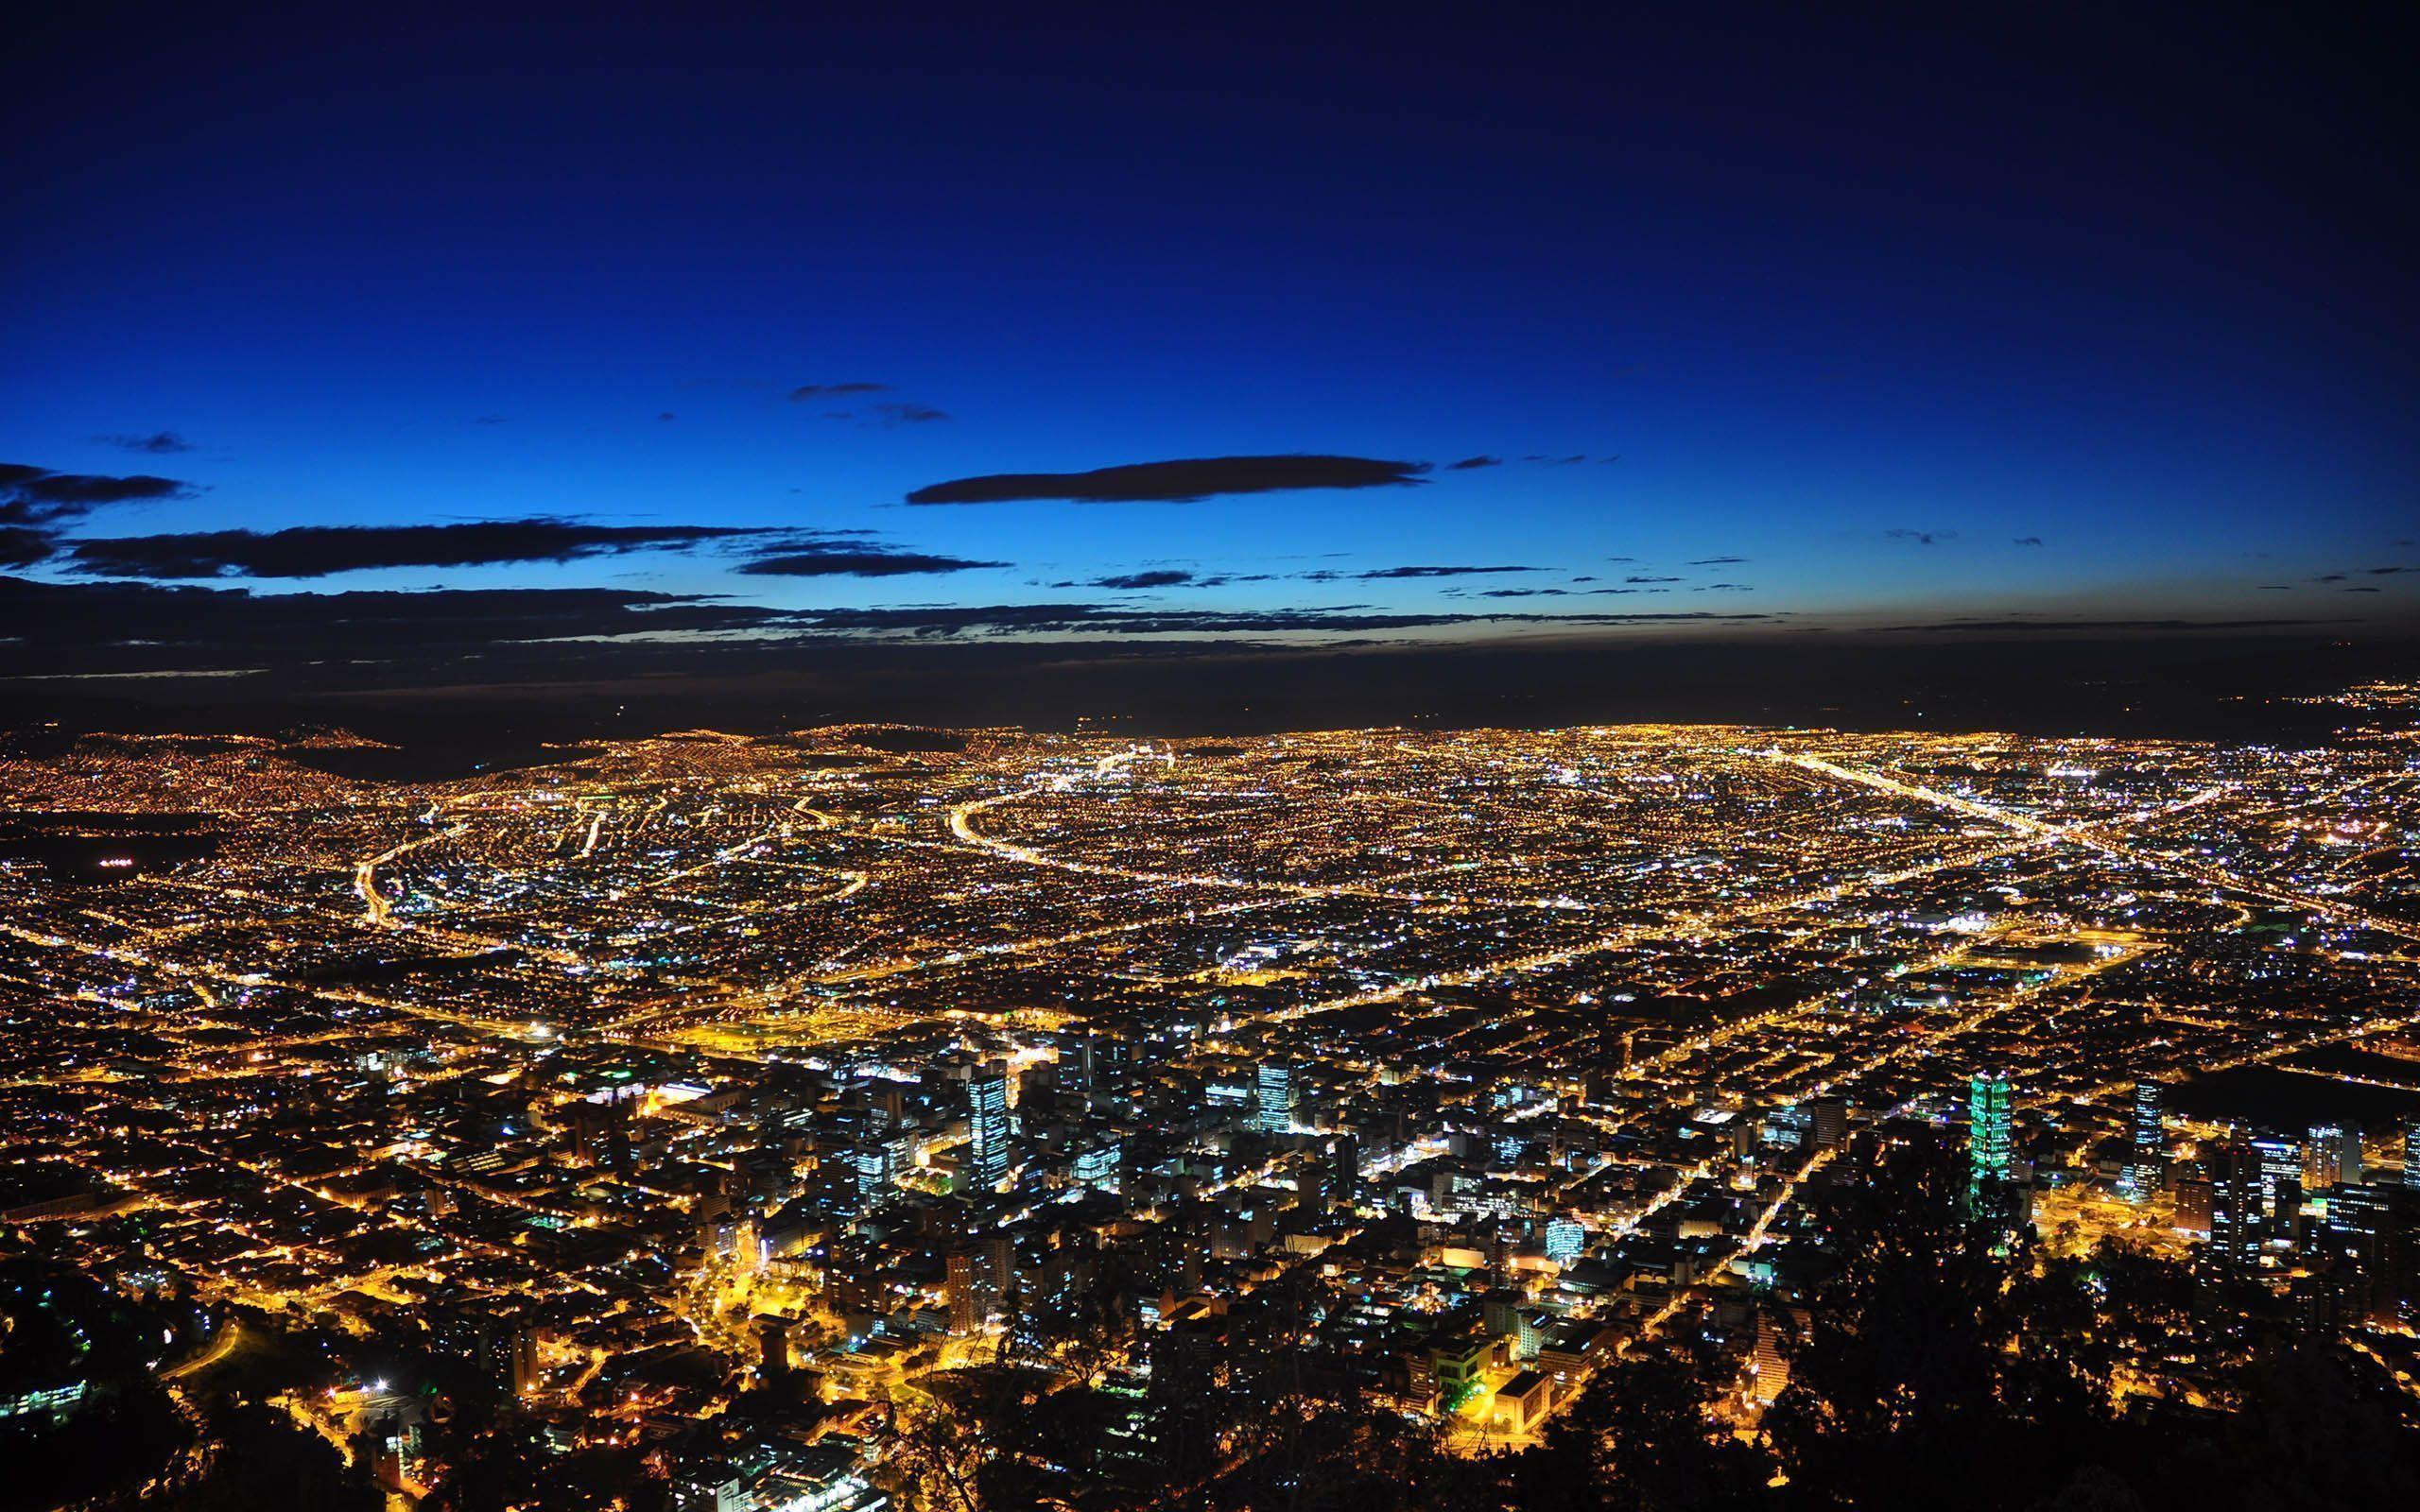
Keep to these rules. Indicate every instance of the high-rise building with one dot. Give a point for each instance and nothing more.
(987, 1126)
(2192, 1203)
(2358, 1219)
(1990, 1130)
(852, 1178)
(2332, 1156)
(1275, 1089)
(2411, 1151)
(1096, 1164)
(2239, 1203)
(1565, 1239)
(957, 1291)
(1096, 1061)
(1828, 1122)
(2281, 1174)
(2147, 1171)
(773, 1346)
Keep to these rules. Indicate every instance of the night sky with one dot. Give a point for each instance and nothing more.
(746, 346)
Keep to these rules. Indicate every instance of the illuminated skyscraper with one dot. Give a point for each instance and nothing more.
(2281, 1174)
(1096, 1164)
(2238, 1203)
(1990, 1115)
(2332, 1157)
(987, 1126)
(2148, 1172)
(2411, 1151)
(1276, 1097)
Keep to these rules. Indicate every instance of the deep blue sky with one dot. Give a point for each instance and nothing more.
(2134, 286)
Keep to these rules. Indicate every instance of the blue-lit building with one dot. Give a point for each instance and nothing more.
(2147, 1171)
(1096, 1164)
(2281, 1174)
(987, 1127)
(1275, 1089)
(2238, 1217)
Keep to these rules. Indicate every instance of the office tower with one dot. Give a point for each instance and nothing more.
(872, 1165)
(2365, 1237)
(987, 1125)
(1828, 1122)
(2148, 1172)
(1789, 1129)
(855, 1177)
(2411, 1151)
(1276, 1097)
(1346, 1156)
(2239, 1203)
(2357, 1220)
(2281, 1174)
(1771, 1362)
(2193, 1204)
(957, 1291)
(2332, 1156)
(1565, 1239)
(509, 1354)
(1990, 1116)
(773, 1347)
(1096, 1164)
(1097, 1061)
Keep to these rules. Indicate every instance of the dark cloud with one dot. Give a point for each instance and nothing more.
(1717, 561)
(1642, 579)
(2027, 540)
(938, 619)
(1561, 461)
(2365, 588)
(2387, 572)
(493, 419)
(857, 561)
(905, 413)
(665, 417)
(474, 635)
(2039, 626)
(38, 496)
(1184, 481)
(1467, 463)
(2276, 588)
(159, 443)
(123, 627)
(2329, 578)
(1723, 588)
(23, 546)
(317, 551)
(805, 392)
(1922, 538)
(1162, 578)
(1438, 572)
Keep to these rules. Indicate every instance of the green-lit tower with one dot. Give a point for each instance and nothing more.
(1989, 1109)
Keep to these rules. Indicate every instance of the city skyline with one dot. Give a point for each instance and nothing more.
(1544, 758)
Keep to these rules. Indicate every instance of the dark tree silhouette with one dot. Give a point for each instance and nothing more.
(1926, 1374)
